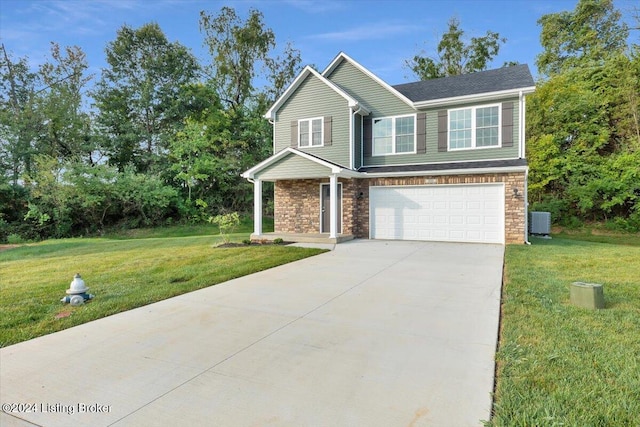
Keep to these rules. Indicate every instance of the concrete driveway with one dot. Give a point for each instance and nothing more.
(374, 333)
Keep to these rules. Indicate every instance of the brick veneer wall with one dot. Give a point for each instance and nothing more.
(514, 206)
(297, 202)
(297, 206)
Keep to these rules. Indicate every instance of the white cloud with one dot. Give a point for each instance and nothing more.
(367, 32)
(314, 6)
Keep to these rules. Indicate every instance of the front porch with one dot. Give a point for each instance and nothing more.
(304, 237)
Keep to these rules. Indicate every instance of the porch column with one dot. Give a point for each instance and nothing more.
(257, 207)
(333, 215)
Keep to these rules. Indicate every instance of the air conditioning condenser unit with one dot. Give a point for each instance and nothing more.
(540, 223)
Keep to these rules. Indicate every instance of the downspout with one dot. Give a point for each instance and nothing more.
(526, 174)
(273, 124)
(526, 208)
(351, 139)
(521, 126)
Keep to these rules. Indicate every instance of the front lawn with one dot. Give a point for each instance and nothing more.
(560, 365)
(122, 274)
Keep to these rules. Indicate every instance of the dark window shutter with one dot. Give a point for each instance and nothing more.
(442, 130)
(367, 137)
(294, 133)
(327, 130)
(507, 124)
(421, 133)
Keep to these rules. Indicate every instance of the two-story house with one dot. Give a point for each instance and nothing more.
(439, 160)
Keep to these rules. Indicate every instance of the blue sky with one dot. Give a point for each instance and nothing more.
(380, 35)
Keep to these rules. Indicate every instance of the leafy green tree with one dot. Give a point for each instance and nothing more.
(583, 37)
(19, 118)
(236, 48)
(239, 51)
(139, 96)
(66, 130)
(582, 122)
(455, 55)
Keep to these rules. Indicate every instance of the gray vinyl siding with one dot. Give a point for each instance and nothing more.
(293, 167)
(357, 131)
(373, 96)
(315, 99)
(433, 156)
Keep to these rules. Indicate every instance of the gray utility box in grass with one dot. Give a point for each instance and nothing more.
(587, 295)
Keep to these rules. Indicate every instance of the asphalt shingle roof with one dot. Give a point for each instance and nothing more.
(445, 166)
(505, 78)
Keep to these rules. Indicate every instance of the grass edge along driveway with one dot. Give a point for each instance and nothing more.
(562, 365)
(122, 274)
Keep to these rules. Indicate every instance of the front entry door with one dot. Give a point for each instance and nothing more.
(325, 209)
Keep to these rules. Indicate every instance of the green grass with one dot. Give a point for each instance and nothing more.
(246, 227)
(122, 274)
(560, 365)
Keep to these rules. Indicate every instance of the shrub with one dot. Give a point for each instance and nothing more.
(14, 239)
(227, 223)
(278, 241)
(247, 241)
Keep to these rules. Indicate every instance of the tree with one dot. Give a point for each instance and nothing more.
(139, 96)
(455, 56)
(66, 128)
(582, 122)
(19, 118)
(583, 37)
(238, 50)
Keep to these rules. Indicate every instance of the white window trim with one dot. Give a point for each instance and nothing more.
(393, 135)
(473, 127)
(310, 121)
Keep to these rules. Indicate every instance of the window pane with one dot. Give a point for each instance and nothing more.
(460, 129)
(487, 126)
(382, 141)
(404, 126)
(382, 145)
(487, 137)
(316, 128)
(382, 127)
(404, 144)
(304, 133)
(404, 134)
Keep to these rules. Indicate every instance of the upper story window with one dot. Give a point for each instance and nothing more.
(310, 132)
(394, 135)
(475, 127)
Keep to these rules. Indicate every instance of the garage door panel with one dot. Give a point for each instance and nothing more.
(459, 213)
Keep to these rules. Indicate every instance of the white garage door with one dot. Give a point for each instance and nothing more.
(449, 213)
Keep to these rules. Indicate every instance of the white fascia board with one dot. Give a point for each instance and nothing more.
(270, 114)
(250, 173)
(335, 169)
(343, 56)
(446, 172)
(478, 97)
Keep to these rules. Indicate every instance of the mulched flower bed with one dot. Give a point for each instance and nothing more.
(253, 243)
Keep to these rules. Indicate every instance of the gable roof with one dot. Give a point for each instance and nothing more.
(353, 103)
(473, 87)
(334, 168)
(501, 81)
(344, 57)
